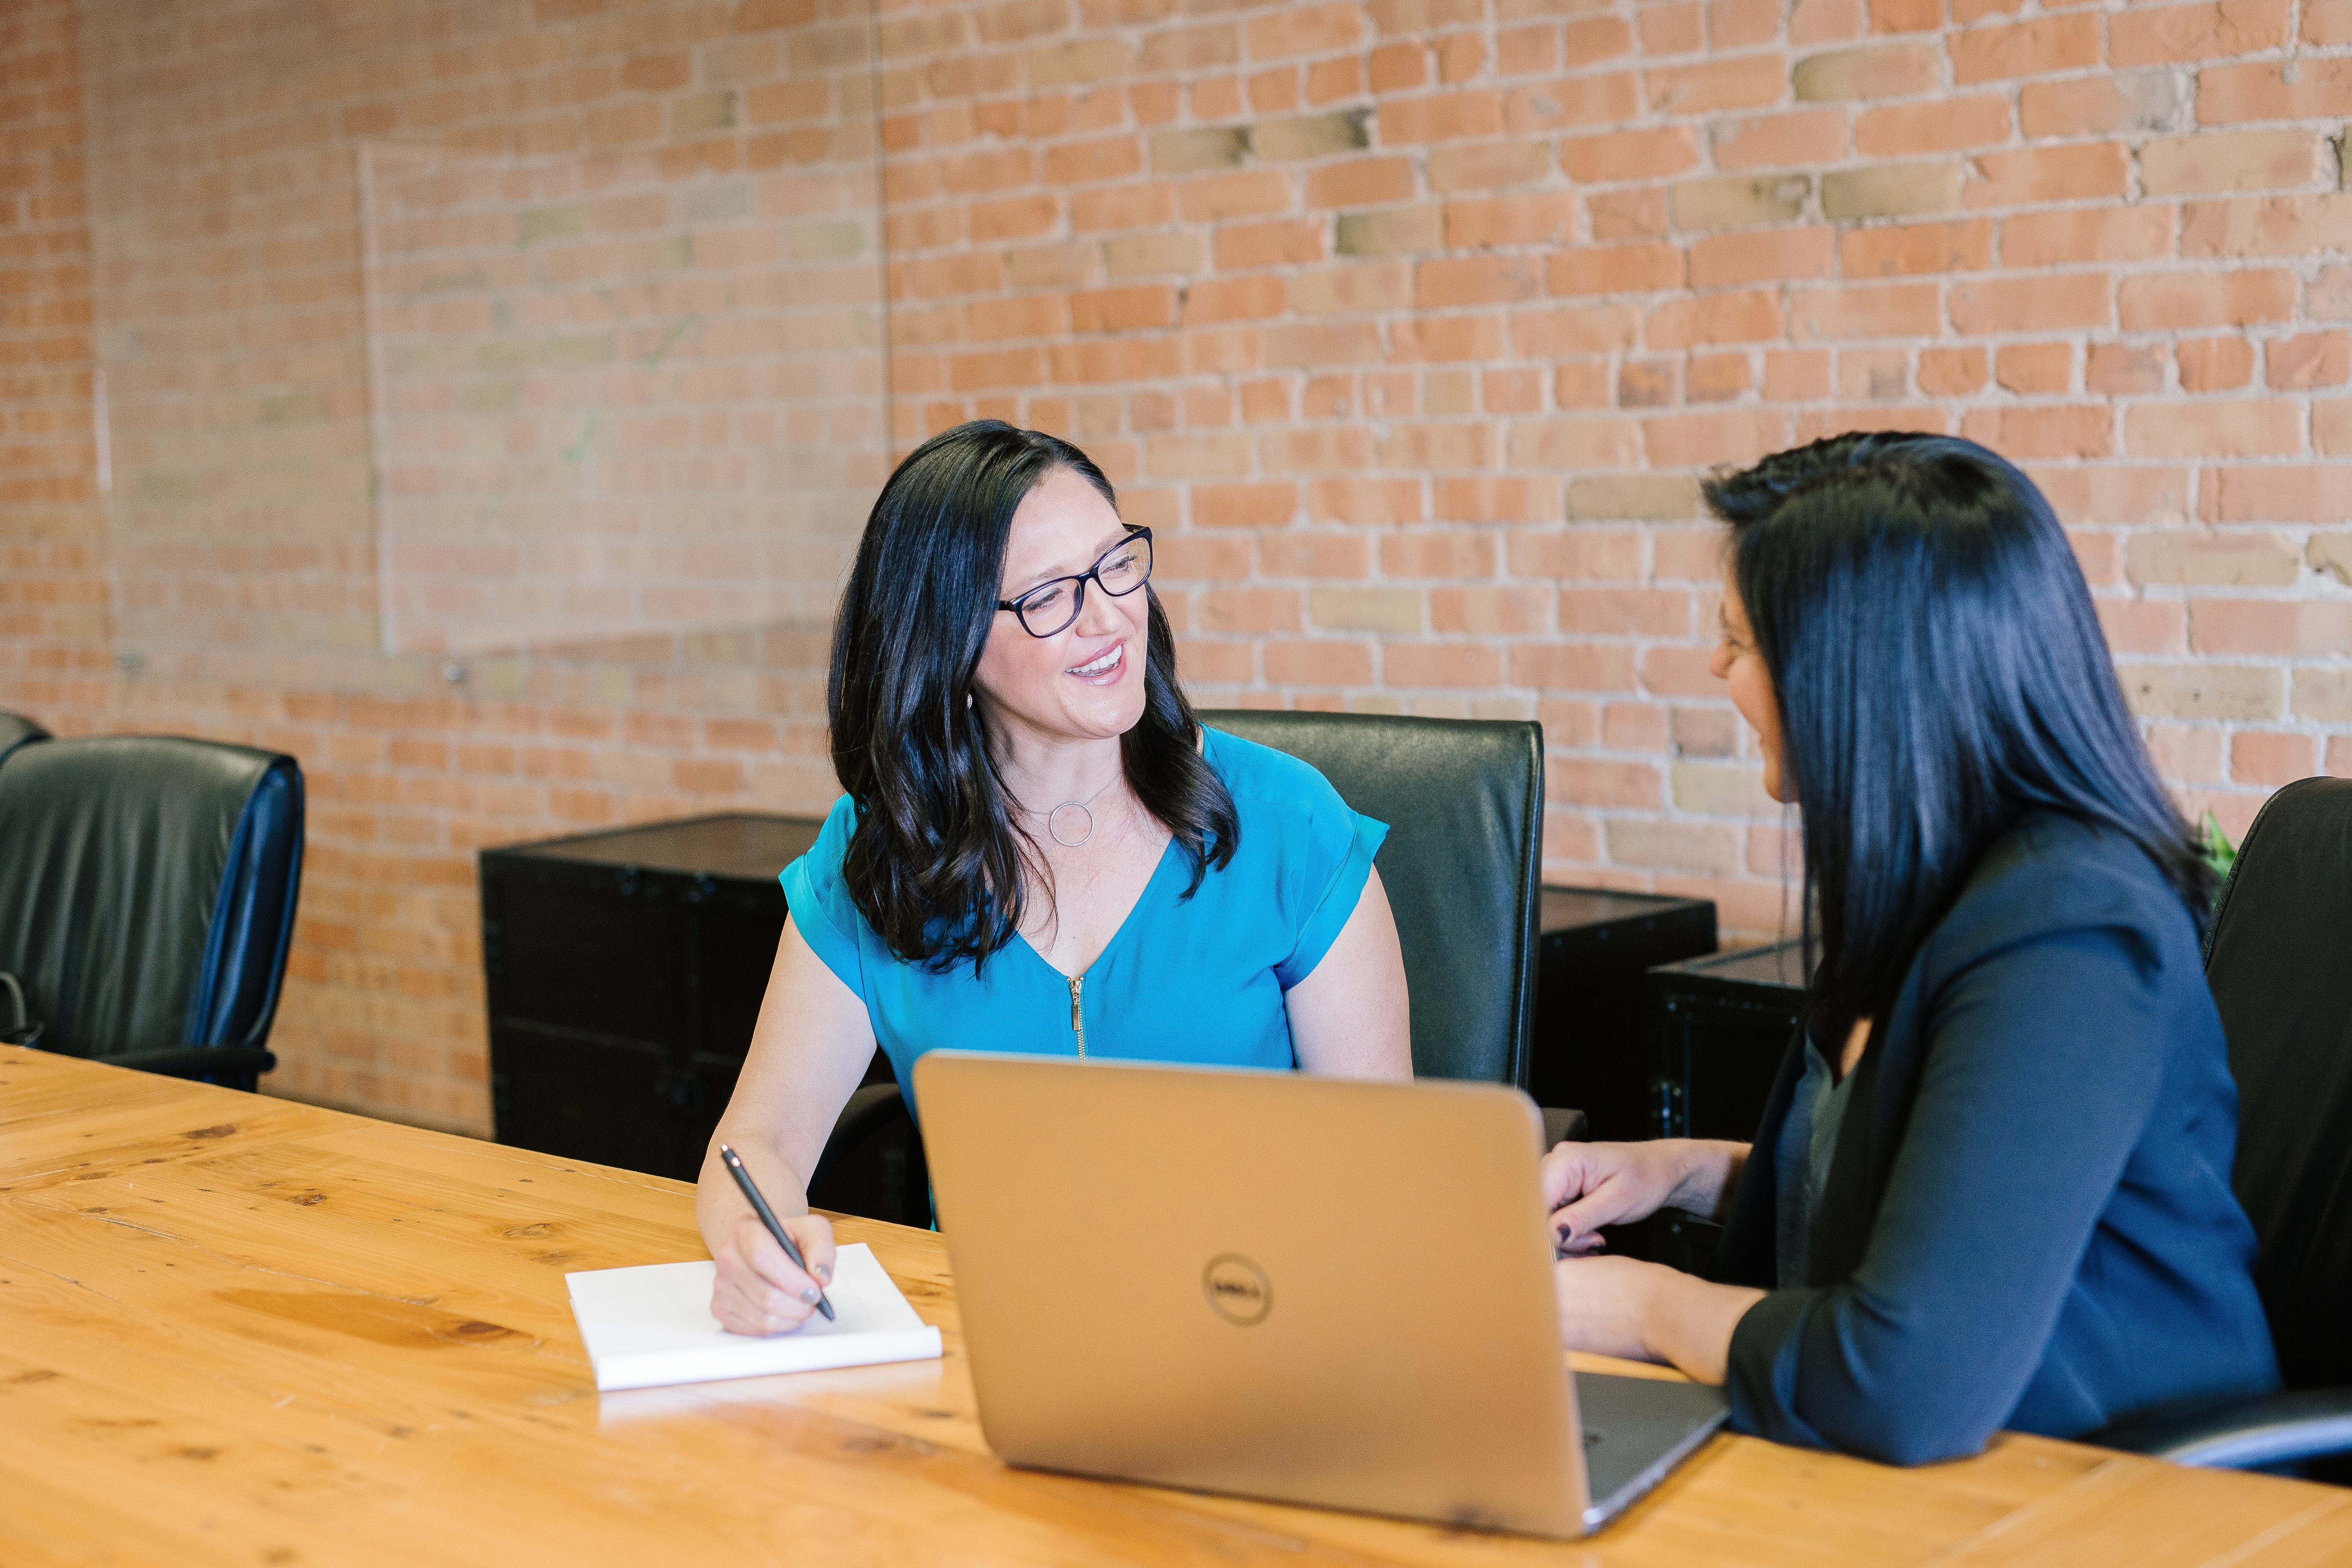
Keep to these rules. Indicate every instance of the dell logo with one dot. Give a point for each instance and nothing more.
(1236, 1290)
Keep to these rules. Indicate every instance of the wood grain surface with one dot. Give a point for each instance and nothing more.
(240, 1330)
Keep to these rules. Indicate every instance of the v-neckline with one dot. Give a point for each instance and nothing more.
(1125, 920)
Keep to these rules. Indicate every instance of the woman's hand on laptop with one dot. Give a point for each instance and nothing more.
(1647, 1311)
(1593, 1184)
(758, 1291)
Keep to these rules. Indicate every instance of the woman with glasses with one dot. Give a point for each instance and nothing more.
(1040, 848)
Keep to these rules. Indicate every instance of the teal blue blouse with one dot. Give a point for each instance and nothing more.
(1198, 980)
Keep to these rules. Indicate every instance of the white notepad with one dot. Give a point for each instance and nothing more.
(650, 1326)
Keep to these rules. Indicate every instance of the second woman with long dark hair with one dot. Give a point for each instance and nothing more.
(1992, 1187)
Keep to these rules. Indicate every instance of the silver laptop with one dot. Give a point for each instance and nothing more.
(1303, 1288)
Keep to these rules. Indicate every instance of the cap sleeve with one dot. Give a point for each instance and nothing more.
(822, 908)
(1347, 841)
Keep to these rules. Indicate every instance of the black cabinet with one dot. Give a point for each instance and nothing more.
(1721, 1025)
(1591, 1048)
(1719, 1028)
(624, 973)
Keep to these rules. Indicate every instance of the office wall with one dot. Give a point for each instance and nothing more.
(1409, 322)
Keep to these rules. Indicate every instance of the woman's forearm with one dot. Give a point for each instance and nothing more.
(1689, 1323)
(1707, 1180)
(719, 1203)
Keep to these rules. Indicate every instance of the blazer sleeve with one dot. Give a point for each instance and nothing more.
(2043, 1062)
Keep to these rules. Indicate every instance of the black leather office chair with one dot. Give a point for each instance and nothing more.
(2279, 958)
(1463, 866)
(16, 730)
(147, 892)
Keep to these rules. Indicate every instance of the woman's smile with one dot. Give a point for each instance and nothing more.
(1105, 668)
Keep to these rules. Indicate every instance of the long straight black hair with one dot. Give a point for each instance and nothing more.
(936, 863)
(1940, 672)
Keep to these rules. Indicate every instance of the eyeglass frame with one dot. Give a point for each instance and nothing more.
(1078, 594)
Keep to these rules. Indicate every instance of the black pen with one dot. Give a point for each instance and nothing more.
(768, 1217)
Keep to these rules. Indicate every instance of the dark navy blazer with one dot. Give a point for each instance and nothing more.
(2028, 1222)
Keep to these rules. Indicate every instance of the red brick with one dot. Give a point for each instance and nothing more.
(1256, 296)
(2170, 301)
(1937, 125)
(1697, 321)
(1742, 81)
(1606, 100)
(1365, 501)
(2258, 427)
(2064, 173)
(2319, 88)
(1490, 612)
(1625, 612)
(1546, 217)
(1866, 310)
(1629, 154)
(2032, 304)
(1912, 249)
(2035, 369)
(1280, 244)
(2177, 35)
(1441, 118)
(2085, 233)
(2270, 492)
(1319, 662)
(1690, 441)
(1244, 506)
(2231, 161)
(2313, 359)
(2214, 364)
(2043, 46)
(1360, 182)
(1455, 665)
(2124, 370)
(2043, 431)
(1451, 281)
(1616, 269)
(1951, 372)
(2270, 758)
(2098, 105)
(2267, 226)
(1719, 260)
(1304, 29)
(1797, 140)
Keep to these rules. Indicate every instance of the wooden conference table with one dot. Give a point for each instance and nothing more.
(241, 1330)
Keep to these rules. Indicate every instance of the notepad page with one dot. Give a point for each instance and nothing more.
(650, 1326)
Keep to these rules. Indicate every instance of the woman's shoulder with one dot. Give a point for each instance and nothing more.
(816, 873)
(2052, 873)
(1271, 785)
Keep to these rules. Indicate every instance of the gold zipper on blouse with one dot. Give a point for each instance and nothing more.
(1078, 1019)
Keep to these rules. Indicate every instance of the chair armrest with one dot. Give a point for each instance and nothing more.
(200, 1061)
(2239, 1433)
(1564, 1126)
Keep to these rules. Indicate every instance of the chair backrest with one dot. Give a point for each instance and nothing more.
(2279, 958)
(16, 730)
(1463, 866)
(147, 890)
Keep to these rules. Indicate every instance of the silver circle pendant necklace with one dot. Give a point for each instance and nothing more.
(1054, 818)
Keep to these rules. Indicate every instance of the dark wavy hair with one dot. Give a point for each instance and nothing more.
(935, 864)
(1940, 672)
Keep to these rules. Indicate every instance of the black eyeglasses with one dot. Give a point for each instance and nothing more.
(1052, 605)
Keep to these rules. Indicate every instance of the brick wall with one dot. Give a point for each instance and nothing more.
(1410, 324)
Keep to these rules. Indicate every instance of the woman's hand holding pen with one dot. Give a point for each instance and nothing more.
(760, 1292)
